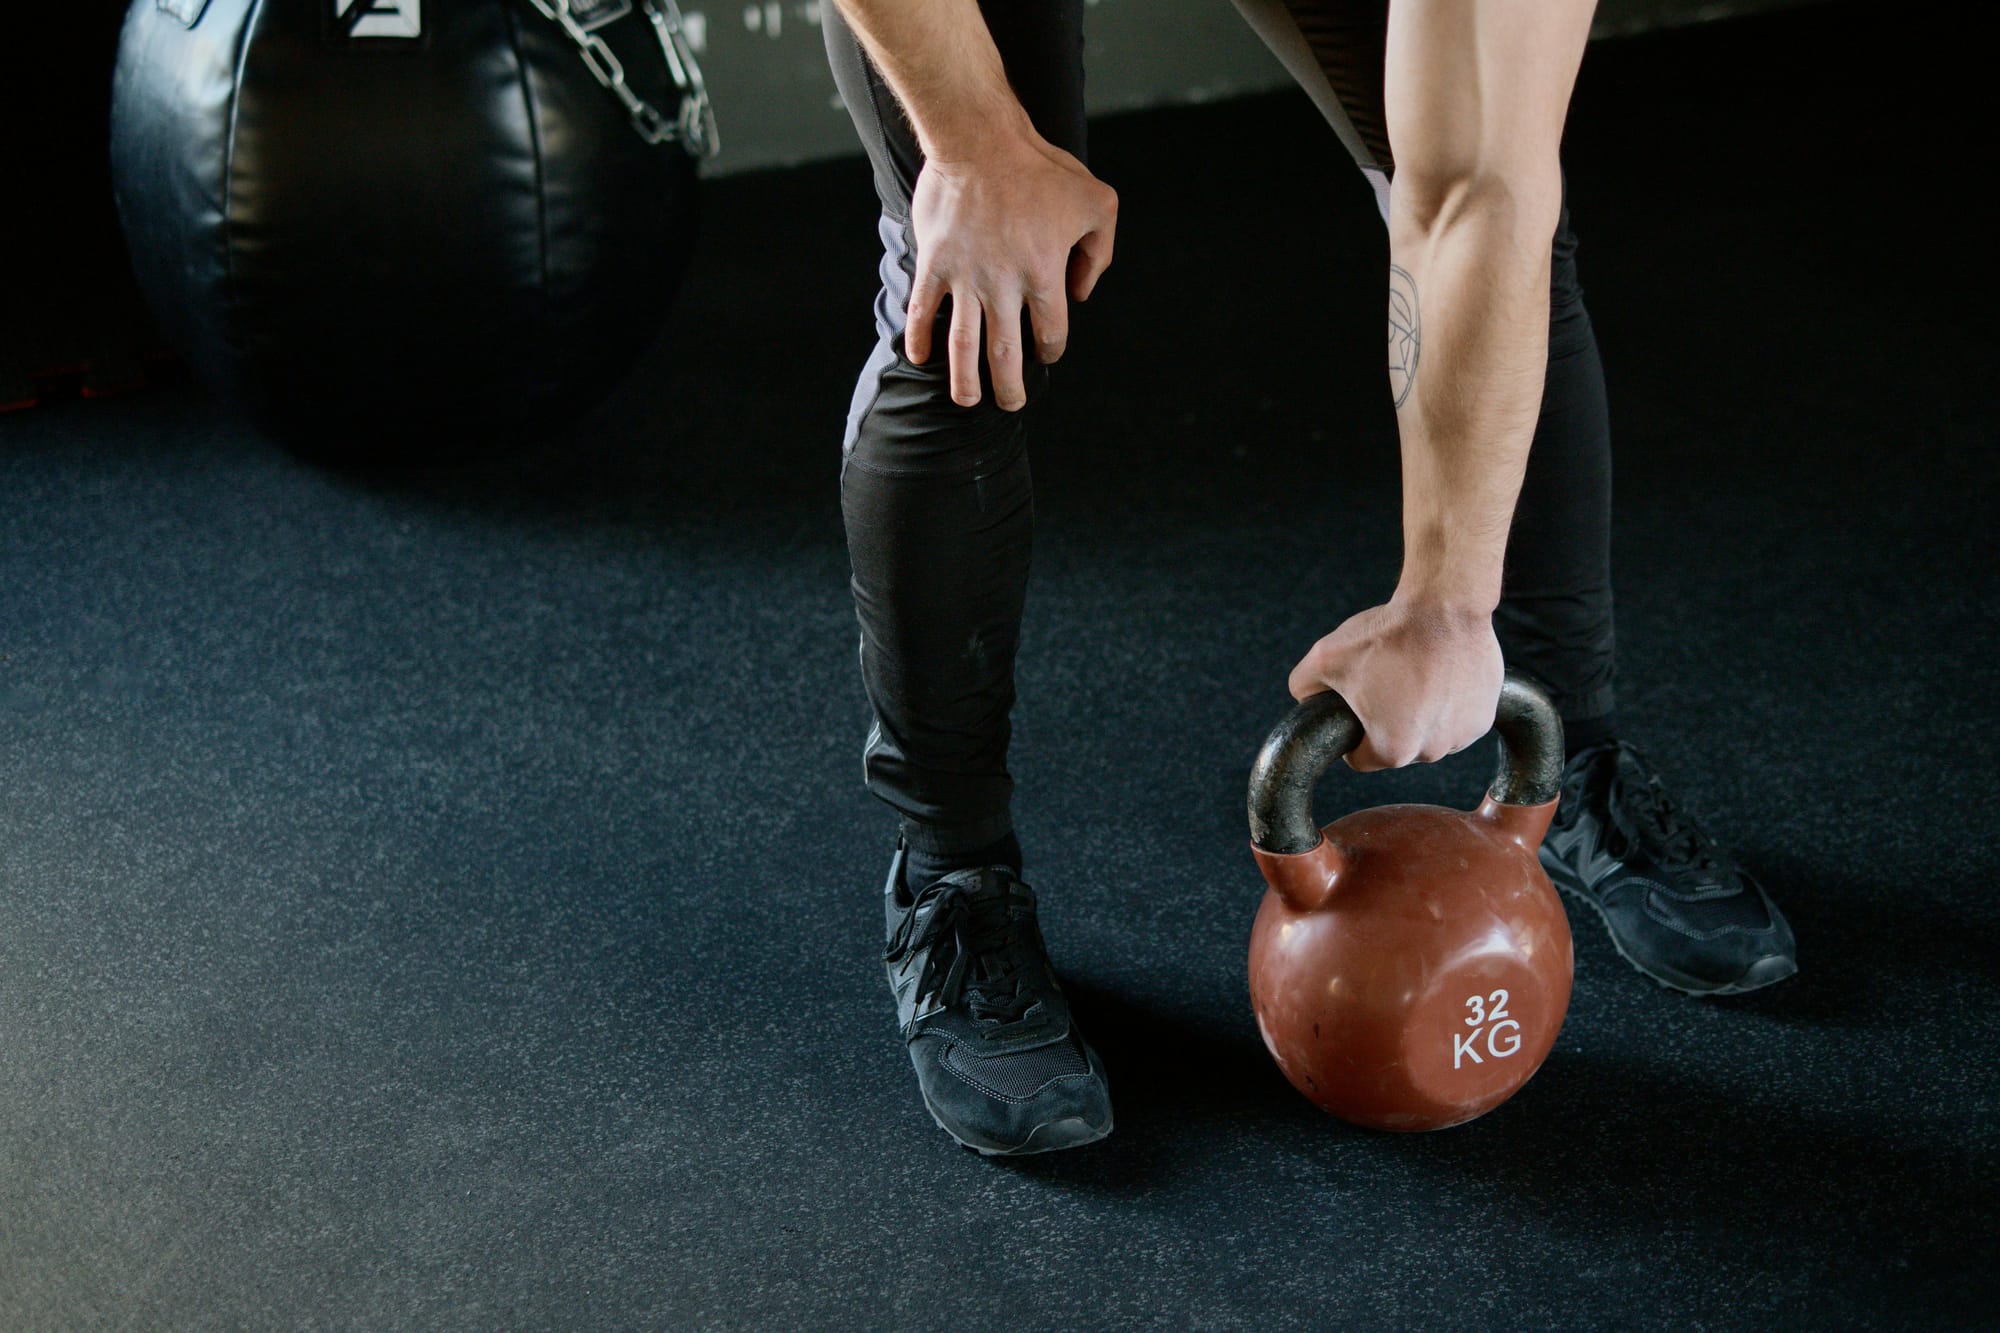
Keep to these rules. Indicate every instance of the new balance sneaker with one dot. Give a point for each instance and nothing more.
(998, 1059)
(1677, 905)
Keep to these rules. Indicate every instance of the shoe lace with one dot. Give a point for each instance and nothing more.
(979, 949)
(1642, 811)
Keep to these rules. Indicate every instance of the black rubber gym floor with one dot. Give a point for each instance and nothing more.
(447, 900)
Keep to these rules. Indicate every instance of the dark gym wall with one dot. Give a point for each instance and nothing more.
(776, 101)
(777, 105)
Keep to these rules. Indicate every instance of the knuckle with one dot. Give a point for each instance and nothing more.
(1399, 753)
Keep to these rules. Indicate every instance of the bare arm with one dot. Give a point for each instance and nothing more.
(1477, 91)
(1003, 219)
(939, 60)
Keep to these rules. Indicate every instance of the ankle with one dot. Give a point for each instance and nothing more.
(925, 867)
(1579, 734)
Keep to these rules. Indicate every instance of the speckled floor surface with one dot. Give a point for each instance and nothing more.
(447, 900)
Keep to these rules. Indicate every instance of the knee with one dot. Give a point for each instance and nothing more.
(904, 422)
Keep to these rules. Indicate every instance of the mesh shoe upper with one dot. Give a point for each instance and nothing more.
(967, 963)
(1677, 904)
(986, 1023)
(1019, 1075)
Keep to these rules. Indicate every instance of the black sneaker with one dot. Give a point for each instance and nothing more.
(1678, 906)
(1000, 1064)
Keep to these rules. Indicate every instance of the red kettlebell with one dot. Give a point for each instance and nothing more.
(1410, 965)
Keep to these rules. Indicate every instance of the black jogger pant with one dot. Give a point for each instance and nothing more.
(938, 501)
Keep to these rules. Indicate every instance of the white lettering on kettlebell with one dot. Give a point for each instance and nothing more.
(1489, 1013)
(1462, 1046)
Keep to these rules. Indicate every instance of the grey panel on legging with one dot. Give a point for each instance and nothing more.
(937, 498)
(1556, 615)
(1334, 53)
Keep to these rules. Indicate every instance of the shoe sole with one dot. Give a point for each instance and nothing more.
(1764, 972)
(1052, 1136)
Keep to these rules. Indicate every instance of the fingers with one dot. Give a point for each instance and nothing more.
(963, 347)
(926, 294)
(1003, 352)
(1087, 262)
(1398, 751)
(1048, 316)
(1365, 758)
(1378, 749)
(1307, 679)
(980, 300)
(1375, 754)
(1001, 318)
(1092, 253)
(1387, 746)
(1032, 229)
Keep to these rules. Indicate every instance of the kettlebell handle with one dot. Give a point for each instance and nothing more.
(1323, 728)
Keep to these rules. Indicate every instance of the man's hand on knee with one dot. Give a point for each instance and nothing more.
(1004, 220)
(1018, 224)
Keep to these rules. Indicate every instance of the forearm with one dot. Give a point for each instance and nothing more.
(1469, 346)
(939, 59)
(1476, 95)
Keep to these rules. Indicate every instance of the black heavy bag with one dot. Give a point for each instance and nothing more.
(407, 227)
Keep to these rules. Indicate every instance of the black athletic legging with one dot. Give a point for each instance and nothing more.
(937, 498)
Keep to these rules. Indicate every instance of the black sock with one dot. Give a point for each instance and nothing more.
(923, 869)
(1585, 732)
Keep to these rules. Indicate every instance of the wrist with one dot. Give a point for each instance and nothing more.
(1443, 606)
(1455, 593)
(1458, 583)
(977, 136)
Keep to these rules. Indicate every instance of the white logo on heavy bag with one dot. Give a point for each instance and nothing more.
(380, 18)
(1491, 1028)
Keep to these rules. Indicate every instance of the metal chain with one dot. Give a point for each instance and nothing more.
(694, 125)
(697, 119)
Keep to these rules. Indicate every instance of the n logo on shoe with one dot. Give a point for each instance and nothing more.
(1590, 864)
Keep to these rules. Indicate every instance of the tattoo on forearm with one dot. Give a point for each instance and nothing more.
(1405, 333)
